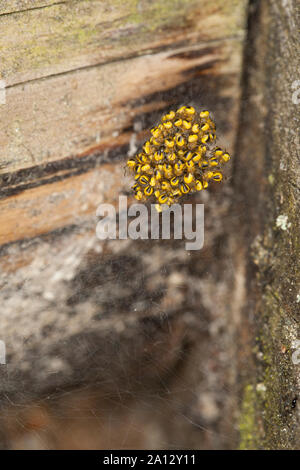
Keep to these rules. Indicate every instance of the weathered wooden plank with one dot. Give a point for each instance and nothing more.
(67, 115)
(28, 207)
(12, 6)
(67, 201)
(75, 310)
(66, 36)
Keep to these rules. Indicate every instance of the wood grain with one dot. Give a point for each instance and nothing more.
(50, 206)
(12, 6)
(163, 80)
(70, 35)
(85, 82)
(67, 115)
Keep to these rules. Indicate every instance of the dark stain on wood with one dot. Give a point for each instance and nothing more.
(194, 54)
(200, 91)
(21, 180)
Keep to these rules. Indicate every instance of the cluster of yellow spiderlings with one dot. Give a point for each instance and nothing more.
(181, 157)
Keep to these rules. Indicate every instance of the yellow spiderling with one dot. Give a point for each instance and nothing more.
(181, 157)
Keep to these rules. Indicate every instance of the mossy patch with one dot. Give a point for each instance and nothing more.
(247, 421)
